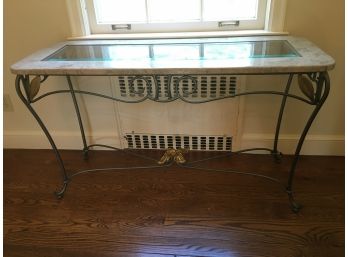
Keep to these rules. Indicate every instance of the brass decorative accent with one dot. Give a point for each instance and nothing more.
(34, 87)
(176, 155)
(306, 87)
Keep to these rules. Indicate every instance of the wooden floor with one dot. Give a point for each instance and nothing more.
(170, 211)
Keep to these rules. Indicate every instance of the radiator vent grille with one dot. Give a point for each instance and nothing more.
(212, 86)
(191, 142)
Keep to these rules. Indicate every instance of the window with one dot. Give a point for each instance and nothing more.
(132, 16)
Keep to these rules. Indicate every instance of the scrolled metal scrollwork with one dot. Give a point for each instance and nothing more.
(173, 155)
(306, 87)
(185, 93)
(311, 85)
(142, 90)
(32, 86)
(168, 88)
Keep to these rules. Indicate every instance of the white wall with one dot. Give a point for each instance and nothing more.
(33, 24)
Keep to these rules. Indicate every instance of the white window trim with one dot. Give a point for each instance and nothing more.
(275, 16)
(78, 17)
(165, 27)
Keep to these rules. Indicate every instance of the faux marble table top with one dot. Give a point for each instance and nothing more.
(223, 55)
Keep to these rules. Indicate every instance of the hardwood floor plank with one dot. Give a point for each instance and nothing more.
(170, 212)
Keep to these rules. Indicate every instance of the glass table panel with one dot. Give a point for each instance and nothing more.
(176, 51)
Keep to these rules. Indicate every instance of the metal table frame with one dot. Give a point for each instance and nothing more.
(315, 87)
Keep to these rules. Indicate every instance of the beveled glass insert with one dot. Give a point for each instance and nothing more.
(175, 51)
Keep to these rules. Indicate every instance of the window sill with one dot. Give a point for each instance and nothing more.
(241, 33)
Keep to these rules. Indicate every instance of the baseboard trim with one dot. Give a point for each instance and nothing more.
(63, 140)
(314, 144)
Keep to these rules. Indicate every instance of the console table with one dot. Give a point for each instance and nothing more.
(178, 63)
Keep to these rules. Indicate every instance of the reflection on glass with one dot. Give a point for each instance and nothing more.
(276, 48)
(100, 53)
(259, 49)
(227, 51)
(175, 51)
(127, 52)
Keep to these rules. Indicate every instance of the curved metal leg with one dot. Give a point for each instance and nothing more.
(77, 110)
(276, 154)
(26, 83)
(320, 97)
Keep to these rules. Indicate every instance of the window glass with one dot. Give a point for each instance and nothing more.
(174, 11)
(221, 10)
(120, 11)
(174, 15)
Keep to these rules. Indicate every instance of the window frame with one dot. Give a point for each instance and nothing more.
(95, 28)
(80, 25)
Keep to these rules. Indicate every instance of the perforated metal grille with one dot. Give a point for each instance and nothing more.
(201, 86)
(191, 142)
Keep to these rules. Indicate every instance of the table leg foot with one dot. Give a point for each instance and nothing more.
(277, 156)
(295, 207)
(60, 194)
(85, 154)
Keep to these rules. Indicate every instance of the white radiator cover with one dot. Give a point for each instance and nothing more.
(219, 119)
(198, 143)
(208, 86)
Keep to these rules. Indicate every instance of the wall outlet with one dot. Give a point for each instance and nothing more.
(8, 106)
